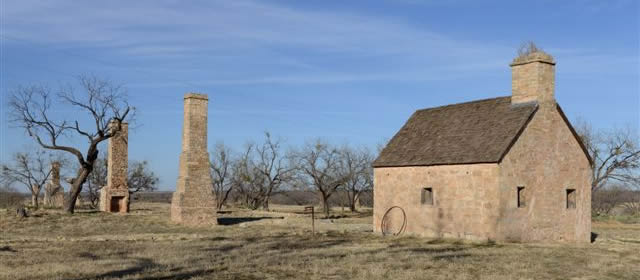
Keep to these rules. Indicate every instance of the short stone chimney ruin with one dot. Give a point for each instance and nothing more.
(54, 193)
(533, 77)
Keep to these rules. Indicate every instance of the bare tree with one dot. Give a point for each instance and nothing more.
(607, 199)
(261, 171)
(322, 166)
(243, 179)
(615, 155)
(633, 202)
(139, 178)
(358, 163)
(33, 109)
(221, 167)
(97, 180)
(10, 197)
(30, 169)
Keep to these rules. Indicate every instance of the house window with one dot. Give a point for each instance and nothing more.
(571, 198)
(521, 199)
(427, 196)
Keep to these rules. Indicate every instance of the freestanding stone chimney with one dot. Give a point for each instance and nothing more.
(115, 196)
(533, 78)
(54, 193)
(193, 202)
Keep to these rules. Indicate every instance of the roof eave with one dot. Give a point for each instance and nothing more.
(432, 164)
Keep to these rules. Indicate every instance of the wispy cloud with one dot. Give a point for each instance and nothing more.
(157, 28)
(230, 24)
(248, 42)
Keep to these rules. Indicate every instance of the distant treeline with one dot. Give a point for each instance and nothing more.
(291, 197)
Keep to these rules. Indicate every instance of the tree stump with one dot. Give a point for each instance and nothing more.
(21, 212)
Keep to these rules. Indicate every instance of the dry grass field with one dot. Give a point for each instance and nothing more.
(279, 245)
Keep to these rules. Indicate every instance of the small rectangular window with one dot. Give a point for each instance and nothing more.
(571, 198)
(522, 201)
(427, 196)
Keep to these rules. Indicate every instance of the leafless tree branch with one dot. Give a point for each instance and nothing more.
(105, 104)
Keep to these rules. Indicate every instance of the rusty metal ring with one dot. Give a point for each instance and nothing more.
(385, 220)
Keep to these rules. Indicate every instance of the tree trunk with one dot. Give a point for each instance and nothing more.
(221, 200)
(354, 202)
(35, 192)
(325, 205)
(129, 200)
(34, 200)
(76, 188)
(265, 200)
(253, 203)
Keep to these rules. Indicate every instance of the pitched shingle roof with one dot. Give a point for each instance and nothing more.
(474, 132)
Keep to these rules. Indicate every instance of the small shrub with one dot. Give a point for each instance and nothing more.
(529, 48)
(10, 198)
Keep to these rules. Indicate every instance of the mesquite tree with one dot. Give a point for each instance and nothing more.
(261, 171)
(615, 155)
(30, 169)
(42, 115)
(323, 167)
(221, 173)
(358, 163)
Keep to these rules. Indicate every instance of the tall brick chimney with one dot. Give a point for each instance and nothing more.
(533, 78)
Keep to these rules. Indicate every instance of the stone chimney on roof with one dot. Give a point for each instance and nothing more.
(533, 77)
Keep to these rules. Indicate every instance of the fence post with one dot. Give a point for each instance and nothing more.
(313, 219)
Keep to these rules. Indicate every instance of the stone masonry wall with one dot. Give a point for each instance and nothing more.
(114, 197)
(465, 199)
(54, 193)
(480, 201)
(193, 202)
(546, 160)
(533, 78)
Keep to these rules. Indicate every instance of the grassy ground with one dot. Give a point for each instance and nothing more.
(278, 245)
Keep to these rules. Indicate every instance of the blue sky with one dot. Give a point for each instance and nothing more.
(347, 71)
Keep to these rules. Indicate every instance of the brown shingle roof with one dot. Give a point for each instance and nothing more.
(474, 132)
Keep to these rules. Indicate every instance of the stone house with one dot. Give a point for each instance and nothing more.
(508, 168)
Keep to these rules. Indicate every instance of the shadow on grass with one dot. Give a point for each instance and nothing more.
(451, 257)
(85, 212)
(222, 249)
(7, 249)
(183, 275)
(427, 250)
(142, 210)
(228, 221)
(141, 265)
(594, 237)
(449, 252)
(146, 264)
(87, 255)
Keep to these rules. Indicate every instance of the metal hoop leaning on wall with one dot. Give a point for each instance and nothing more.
(385, 221)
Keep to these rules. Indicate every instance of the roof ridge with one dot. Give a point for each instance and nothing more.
(463, 103)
